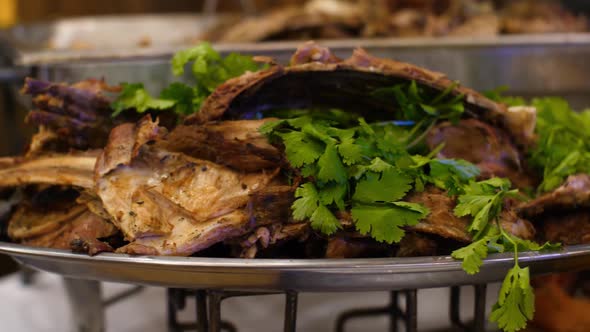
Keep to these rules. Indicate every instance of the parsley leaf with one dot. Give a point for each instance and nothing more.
(333, 193)
(516, 301)
(301, 149)
(184, 96)
(389, 186)
(324, 220)
(209, 70)
(384, 222)
(308, 206)
(136, 96)
(307, 202)
(351, 152)
(474, 253)
(483, 201)
(331, 167)
(563, 147)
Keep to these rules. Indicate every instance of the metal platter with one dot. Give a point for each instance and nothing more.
(290, 274)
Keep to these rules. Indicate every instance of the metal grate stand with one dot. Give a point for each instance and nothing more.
(479, 309)
(208, 310)
(409, 317)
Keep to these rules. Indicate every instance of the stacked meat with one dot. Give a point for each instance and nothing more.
(215, 184)
(333, 19)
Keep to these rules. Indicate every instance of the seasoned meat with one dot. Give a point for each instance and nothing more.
(237, 144)
(441, 220)
(516, 225)
(167, 202)
(488, 147)
(74, 169)
(568, 228)
(272, 235)
(78, 114)
(271, 205)
(81, 233)
(187, 235)
(43, 211)
(348, 84)
(416, 244)
(573, 194)
(351, 246)
(52, 218)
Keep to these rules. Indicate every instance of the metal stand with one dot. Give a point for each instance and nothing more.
(479, 309)
(409, 316)
(208, 304)
(87, 305)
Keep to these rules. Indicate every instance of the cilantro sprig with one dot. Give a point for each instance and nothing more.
(563, 138)
(563, 146)
(364, 168)
(483, 202)
(209, 69)
(369, 169)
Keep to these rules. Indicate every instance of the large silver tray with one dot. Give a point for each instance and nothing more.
(290, 274)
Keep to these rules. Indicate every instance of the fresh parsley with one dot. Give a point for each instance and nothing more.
(361, 167)
(563, 146)
(209, 69)
(563, 138)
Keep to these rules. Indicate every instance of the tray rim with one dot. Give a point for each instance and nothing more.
(399, 264)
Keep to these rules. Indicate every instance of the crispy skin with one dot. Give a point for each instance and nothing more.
(236, 144)
(574, 193)
(348, 84)
(488, 147)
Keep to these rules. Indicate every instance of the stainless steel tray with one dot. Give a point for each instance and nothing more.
(290, 274)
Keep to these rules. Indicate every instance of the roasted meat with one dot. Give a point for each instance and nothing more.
(236, 144)
(74, 169)
(167, 202)
(79, 114)
(348, 84)
(442, 221)
(572, 227)
(52, 217)
(574, 193)
(217, 180)
(490, 148)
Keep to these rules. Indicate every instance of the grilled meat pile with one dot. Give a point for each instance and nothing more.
(214, 184)
(333, 19)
